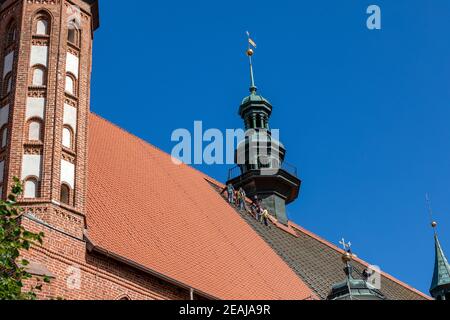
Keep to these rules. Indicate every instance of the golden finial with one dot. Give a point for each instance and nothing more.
(434, 224)
(250, 52)
(347, 257)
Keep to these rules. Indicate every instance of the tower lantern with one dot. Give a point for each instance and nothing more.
(260, 157)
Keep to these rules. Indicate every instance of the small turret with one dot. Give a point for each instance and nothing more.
(352, 288)
(440, 284)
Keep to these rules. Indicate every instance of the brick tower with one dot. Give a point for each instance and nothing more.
(45, 52)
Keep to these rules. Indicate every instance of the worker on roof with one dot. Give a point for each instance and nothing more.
(241, 199)
(265, 217)
(257, 208)
(230, 191)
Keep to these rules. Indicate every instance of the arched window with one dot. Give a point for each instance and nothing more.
(71, 84)
(67, 137)
(39, 76)
(65, 194)
(4, 136)
(73, 35)
(34, 130)
(42, 27)
(7, 85)
(11, 34)
(30, 188)
(41, 24)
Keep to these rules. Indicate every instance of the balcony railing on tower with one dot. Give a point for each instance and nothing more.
(287, 167)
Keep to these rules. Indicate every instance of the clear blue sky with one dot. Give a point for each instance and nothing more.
(363, 114)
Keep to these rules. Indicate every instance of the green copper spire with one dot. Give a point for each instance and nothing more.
(440, 285)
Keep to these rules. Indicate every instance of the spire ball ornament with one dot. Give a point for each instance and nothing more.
(434, 224)
(250, 52)
(347, 257)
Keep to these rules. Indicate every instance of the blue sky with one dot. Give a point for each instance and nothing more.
(363, 114)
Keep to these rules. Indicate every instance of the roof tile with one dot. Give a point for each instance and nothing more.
(166, 217)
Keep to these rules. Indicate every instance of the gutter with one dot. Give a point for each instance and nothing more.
(91, 247)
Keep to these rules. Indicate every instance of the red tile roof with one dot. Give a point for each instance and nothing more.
(167, 218)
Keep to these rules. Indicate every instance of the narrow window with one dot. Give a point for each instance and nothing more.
(261, 122)
(73, 35)
(65, 194)
(38, 76)
(30, 188)
(4, 136)
(70, 84)
(11, 35)
(7, 84)
(34, 131)
(2, 171)
(67, 138)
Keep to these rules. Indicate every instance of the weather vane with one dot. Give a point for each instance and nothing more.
(250, 53)
(346, 245)
(430, 212)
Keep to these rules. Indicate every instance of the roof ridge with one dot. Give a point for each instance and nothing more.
(334, 247)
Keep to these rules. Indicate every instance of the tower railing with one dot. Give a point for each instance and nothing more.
(287, 167)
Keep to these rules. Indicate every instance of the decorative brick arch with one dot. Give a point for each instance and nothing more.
(45, 16)
(72, 80)
(34, 120)
(35, 71)
(66, 194)
(67, 130)
(27, 183)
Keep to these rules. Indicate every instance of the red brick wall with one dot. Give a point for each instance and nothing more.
(102, 278)
(50, 148)
(65, 246)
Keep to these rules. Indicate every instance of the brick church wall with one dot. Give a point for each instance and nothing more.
(65, 249)
(100, 277)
